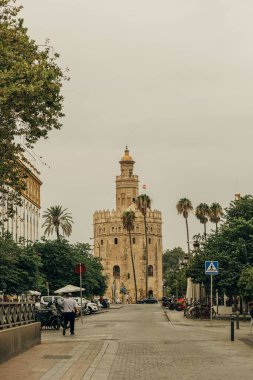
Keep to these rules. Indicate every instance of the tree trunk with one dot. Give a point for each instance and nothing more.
(146, 239)
(57, 233)
(216, 224)
(132, 258)
(205, 231)
(188, 240)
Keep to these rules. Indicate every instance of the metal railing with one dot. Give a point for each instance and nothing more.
(13, 314)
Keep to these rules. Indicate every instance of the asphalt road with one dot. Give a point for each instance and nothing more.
(137, 342)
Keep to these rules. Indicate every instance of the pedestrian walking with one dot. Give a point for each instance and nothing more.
(70, 309)
(251, 316)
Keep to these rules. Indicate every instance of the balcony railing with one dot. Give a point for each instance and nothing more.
(13, 314)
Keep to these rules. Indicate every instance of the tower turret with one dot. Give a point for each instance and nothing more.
(127, 184)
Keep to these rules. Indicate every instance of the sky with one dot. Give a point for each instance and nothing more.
(173, 78)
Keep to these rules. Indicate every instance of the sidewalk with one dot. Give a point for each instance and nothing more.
(221, 326)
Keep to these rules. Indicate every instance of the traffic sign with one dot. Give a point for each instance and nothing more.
(80, 268)
(211, 267)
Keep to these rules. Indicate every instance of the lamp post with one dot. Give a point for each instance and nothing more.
(177, 271)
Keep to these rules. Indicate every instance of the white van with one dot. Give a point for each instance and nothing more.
(44, 300)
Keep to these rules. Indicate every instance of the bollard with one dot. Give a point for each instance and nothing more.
(237, 320)
(232, 321)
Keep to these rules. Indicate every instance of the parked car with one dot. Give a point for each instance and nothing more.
(44, 300)
(91, 306)
(150, 300)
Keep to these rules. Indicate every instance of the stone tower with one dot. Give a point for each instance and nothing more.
(111, 241)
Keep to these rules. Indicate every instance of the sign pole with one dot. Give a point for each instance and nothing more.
(211, 303)
(81, 292)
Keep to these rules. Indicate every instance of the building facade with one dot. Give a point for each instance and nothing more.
(25, 223)
(111, 241)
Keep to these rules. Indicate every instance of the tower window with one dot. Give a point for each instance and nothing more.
(102, 242)
(133, 240)
(116, 241)
(116, 271)
(149, 240)
(130, 173)
(128, 276)
(150, 271)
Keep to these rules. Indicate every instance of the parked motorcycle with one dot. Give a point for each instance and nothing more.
(48, 318)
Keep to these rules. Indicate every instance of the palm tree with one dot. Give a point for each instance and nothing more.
(184, 207)
(202, 213)
(56, 218)
(128, 218)
(143, 203)
(216, 212)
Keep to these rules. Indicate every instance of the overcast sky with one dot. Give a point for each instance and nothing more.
(174, 78)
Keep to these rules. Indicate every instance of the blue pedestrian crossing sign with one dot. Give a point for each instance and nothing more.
(211, 267)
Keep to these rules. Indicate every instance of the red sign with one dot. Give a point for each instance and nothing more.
(80, 268)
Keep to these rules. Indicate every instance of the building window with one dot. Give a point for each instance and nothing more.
(128, 276)
(150, 271)
(116, 271)
(151, 229)
(119, 229)
(102, 242)
(116, 241)
(137, 229)
(149, 240)
(133, 240)
(112, 229)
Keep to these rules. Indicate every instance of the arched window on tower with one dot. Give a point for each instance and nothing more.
(116, 271)
(116, 241)
(150, 271)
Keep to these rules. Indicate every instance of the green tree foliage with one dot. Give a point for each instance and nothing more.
(202, 213)
(55, 219)
(19, 267)
(184, 207)
(232, 246)
(246, 283)
(30, 96)
(215, 214)
(174, 282)
(59, 258)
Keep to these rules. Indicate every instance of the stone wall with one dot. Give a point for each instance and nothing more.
(15, 340)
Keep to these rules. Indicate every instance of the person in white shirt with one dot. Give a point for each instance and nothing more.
(70, 309)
